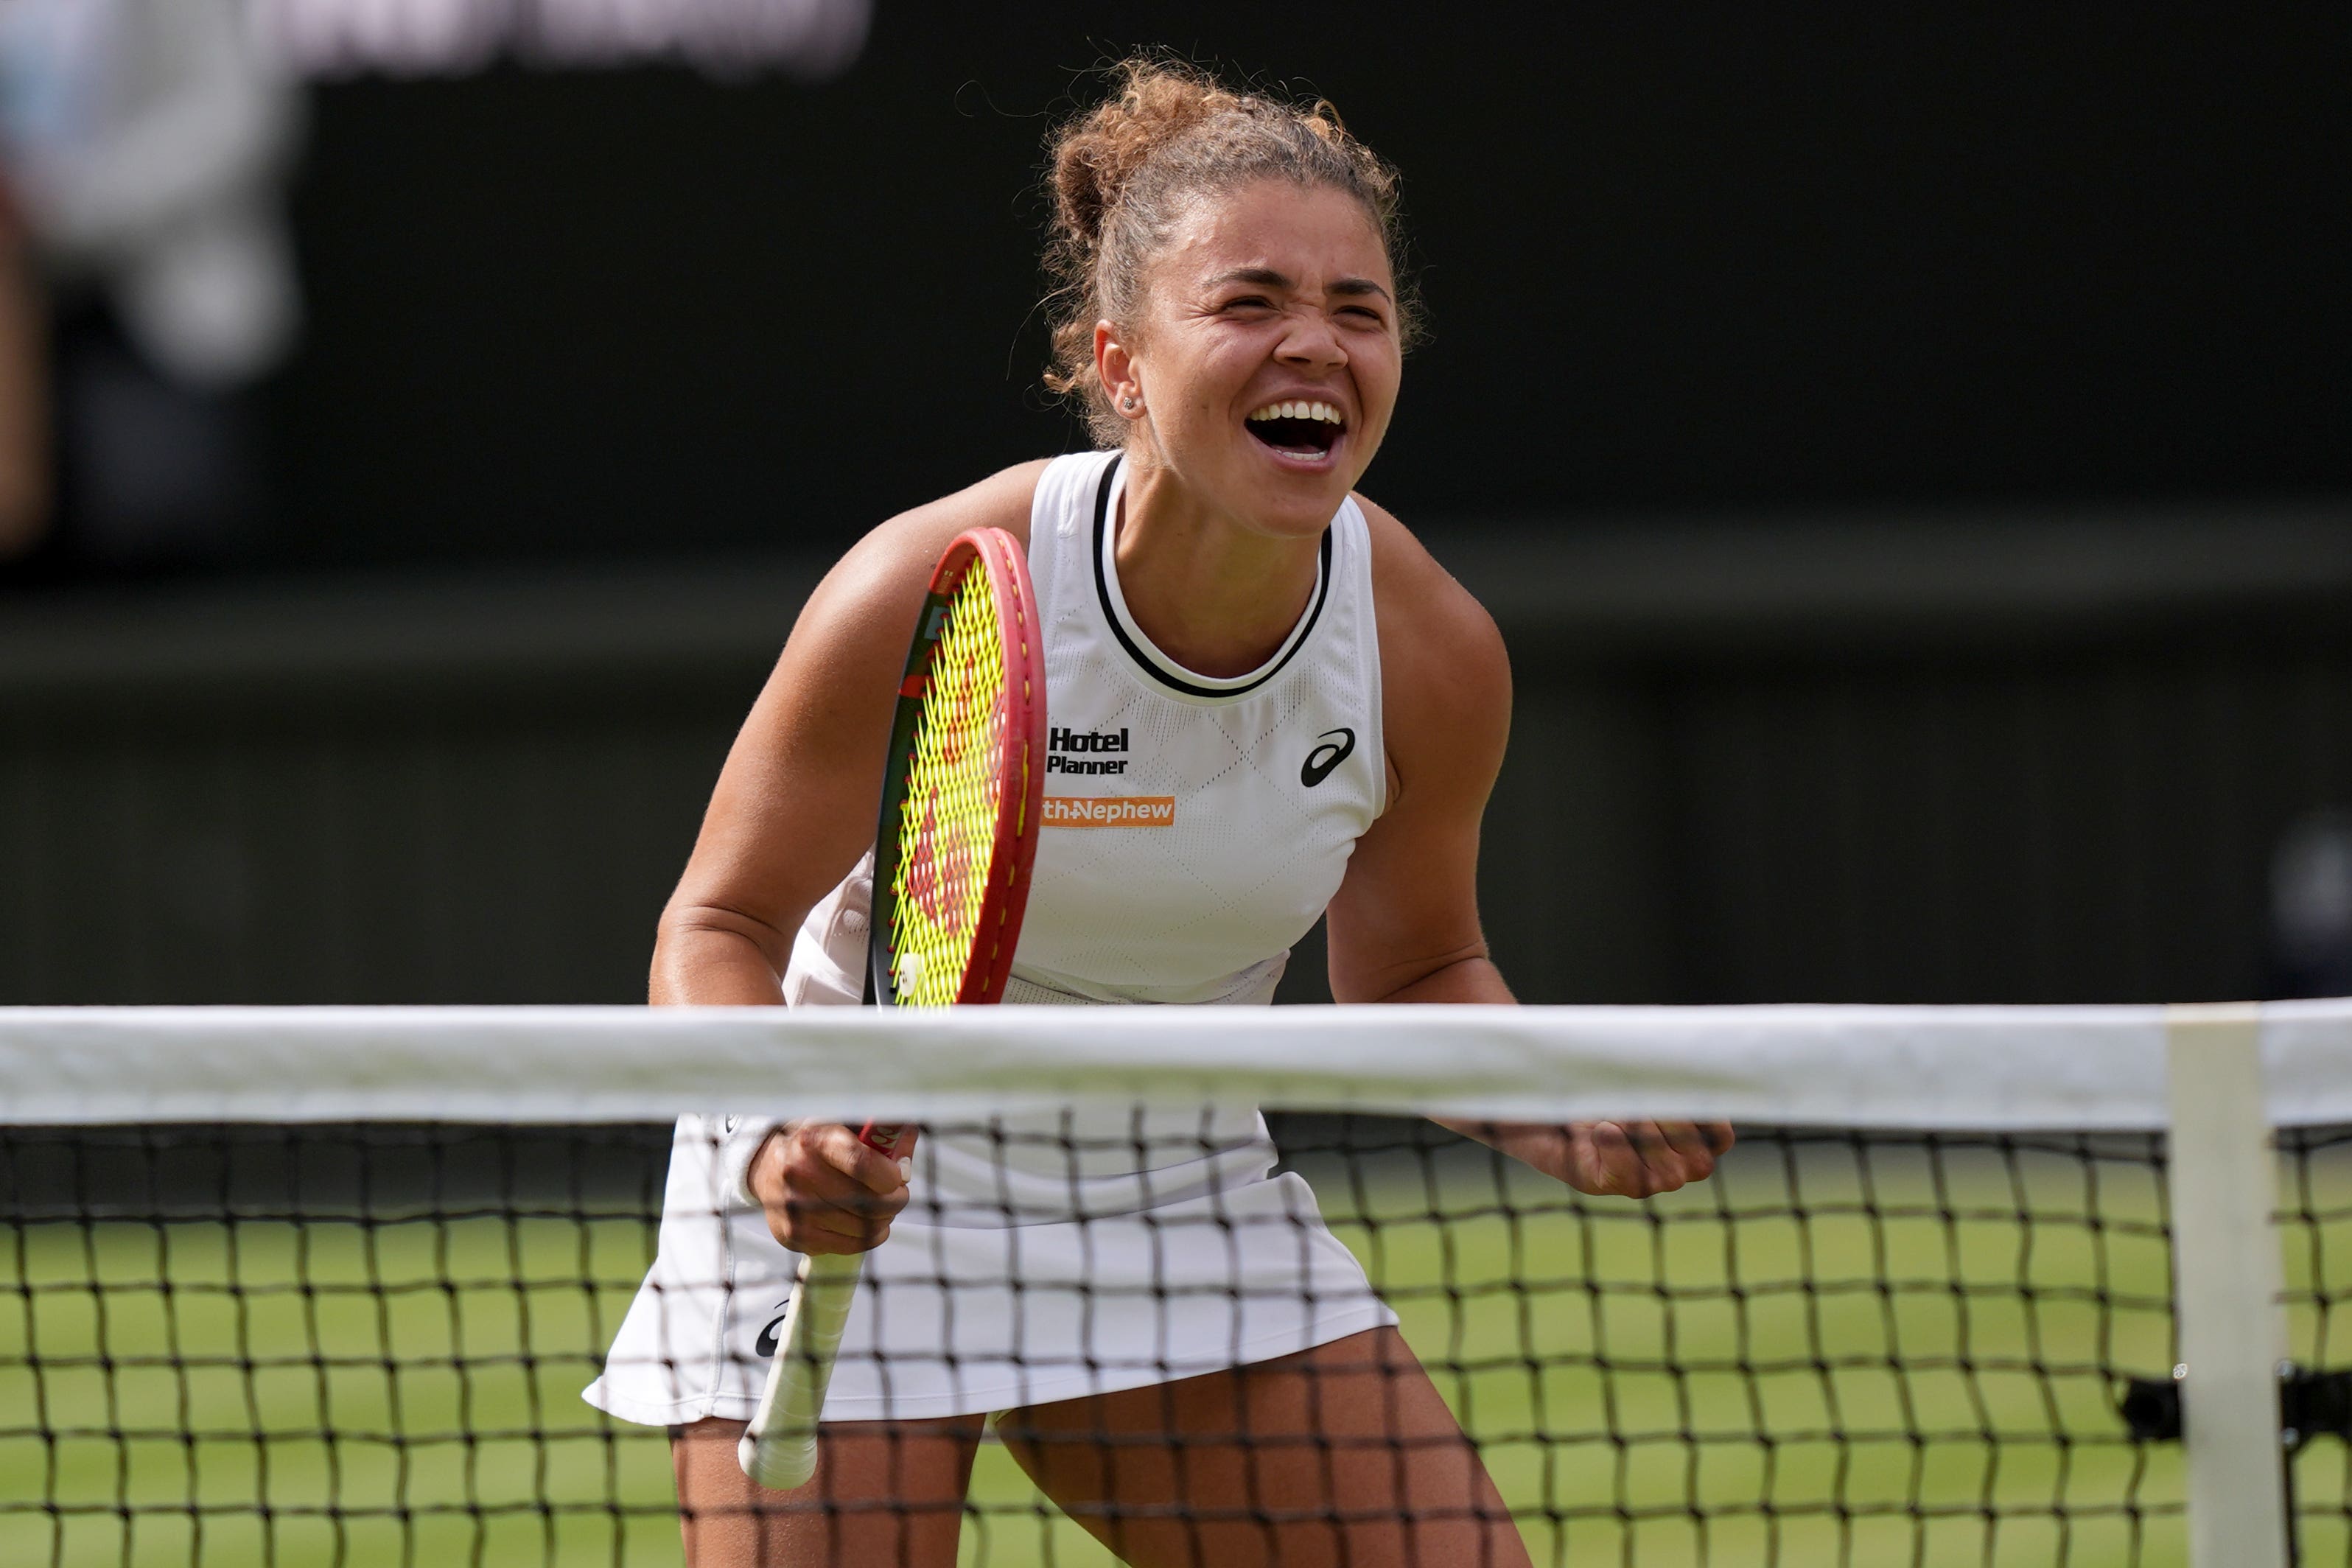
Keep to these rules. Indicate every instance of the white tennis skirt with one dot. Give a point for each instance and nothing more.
(978, 1307)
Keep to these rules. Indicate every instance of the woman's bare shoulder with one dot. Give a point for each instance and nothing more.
(1002, 499)
(1444, 674)
(1432, 616)
(887, 569)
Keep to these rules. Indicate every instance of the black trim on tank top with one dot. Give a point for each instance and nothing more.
(1142, 660)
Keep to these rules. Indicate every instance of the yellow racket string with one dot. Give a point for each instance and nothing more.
(947, 823)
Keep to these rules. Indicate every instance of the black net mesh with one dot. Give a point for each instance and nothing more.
(366, 1344)
(2315, 1226)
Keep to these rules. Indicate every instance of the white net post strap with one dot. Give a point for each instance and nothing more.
(2227, 1287)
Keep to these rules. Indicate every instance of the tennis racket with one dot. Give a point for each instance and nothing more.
(961, 805)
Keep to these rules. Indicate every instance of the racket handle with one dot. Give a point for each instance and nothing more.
(779, 1446)
(880, 1137)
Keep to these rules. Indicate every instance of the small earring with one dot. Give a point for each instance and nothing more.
(1128, 404)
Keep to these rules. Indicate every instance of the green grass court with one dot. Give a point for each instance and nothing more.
(483, 1333)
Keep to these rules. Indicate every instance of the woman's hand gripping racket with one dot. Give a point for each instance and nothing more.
(961, 804)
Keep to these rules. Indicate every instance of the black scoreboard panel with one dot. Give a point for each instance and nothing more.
(1706, 260)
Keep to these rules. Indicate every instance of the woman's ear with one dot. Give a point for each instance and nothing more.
(1121, 376)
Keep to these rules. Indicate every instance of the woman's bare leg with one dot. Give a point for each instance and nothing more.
(885, 1495)
(1344, 1455)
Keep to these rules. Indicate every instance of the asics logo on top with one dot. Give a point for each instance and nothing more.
(767, 1344)
(1327, 756)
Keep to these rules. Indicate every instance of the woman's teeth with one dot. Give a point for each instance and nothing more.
(1320, 411)
(1298, 428)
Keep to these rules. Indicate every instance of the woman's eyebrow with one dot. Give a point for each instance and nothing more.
(1268, 277)
(1264, 276)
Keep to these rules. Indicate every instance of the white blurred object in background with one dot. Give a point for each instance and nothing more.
(813, 39)
(148, 141)
(2311, 906)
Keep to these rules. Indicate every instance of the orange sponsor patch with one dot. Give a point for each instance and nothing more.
(1110, 811)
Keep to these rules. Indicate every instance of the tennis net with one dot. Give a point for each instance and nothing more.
(325, 1286)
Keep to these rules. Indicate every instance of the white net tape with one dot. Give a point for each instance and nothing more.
(1992, 1068)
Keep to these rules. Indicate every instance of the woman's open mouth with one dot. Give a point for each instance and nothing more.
(1305, 431)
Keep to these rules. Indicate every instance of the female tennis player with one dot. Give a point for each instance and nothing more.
(1267, 705)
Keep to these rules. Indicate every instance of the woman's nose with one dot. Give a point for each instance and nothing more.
(1312, 341)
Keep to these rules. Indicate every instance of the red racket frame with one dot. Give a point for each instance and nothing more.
(1021, 776)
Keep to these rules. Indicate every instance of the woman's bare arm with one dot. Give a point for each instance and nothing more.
(795, 803)
(1405, 926)
(794, 809)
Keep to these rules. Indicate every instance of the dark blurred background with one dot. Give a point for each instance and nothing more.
(1909, 451)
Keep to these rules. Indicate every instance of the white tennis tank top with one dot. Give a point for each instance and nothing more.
(1195, 826)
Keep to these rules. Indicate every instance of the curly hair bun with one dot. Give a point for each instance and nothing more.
(1096, 158)
(1124, 171)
